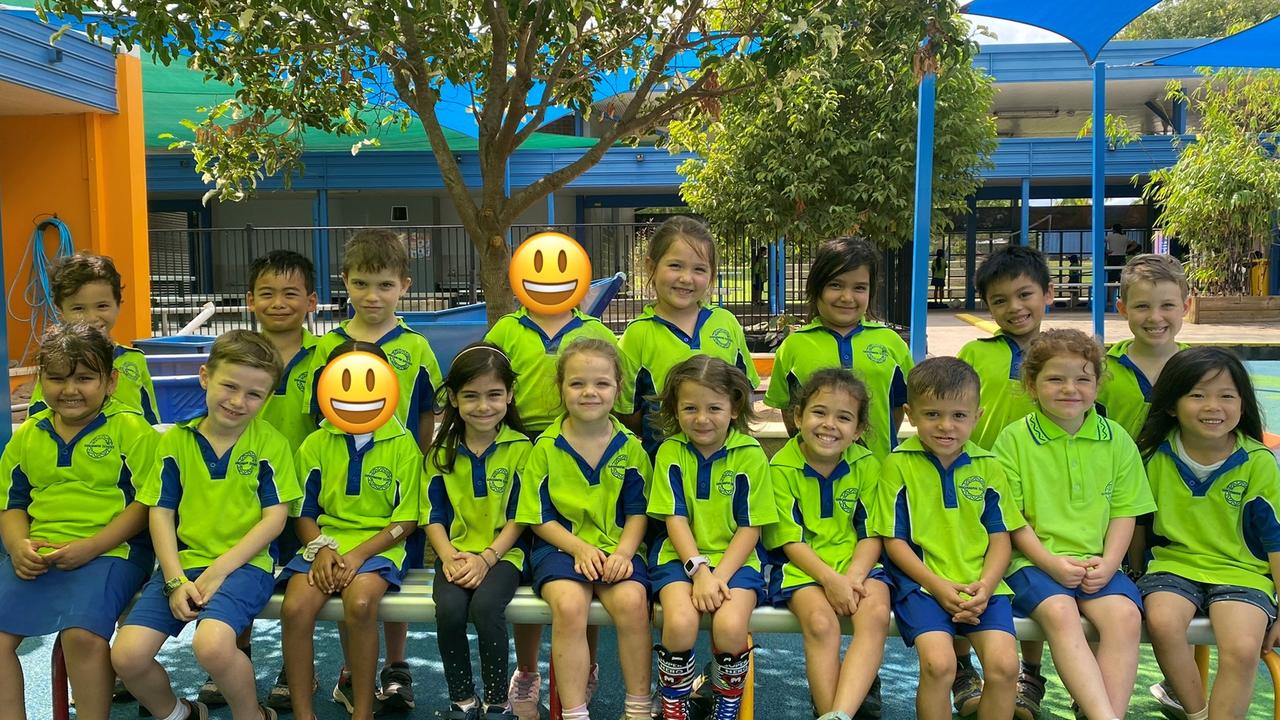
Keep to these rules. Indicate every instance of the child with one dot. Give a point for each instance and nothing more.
(938, 274)
(681, 262)
(1077, 479)
(825, 484)
(1014, 283)
(1153, 299)
(473, 469)
(1216, 537)
(87, 288)
(353, 540)
(375, 270)
(582, 490)
(72, 530)
(219, 496)
(714, 497)
(945, 512)
(759, 274)
(840, 286)
(532, 340)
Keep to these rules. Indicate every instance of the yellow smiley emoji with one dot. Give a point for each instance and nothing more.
(358, 392)
(550, 273)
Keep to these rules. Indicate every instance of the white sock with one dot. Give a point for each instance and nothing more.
(1202, 715)
(466, 705)
(180, 711)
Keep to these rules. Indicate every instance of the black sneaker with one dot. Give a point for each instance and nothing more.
(872, 705)
(397, 688)
(1030, 696)
(210, 695)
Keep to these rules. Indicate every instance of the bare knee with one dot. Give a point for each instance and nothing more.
(820, 625)
(129, 660)
(938, 668)
(1166, 628)
(1000, 668)
(76, 642)
(569, 614)
(1238, 650)
(296, 610)
(212, 651)
(360, 609)
(680, 624)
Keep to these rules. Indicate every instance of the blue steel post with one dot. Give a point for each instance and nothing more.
(1024, 207)
(320, 244)
(778, 287)
(1098, 302)
(923, 216)
(970, 251)
(6, 412)
(551, 209)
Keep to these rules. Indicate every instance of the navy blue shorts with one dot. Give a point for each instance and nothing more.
(780, 596)
(559, 566)
(376, 564)
(1032, 586)
(917, 613)
(91, 597)
(1202, 595)
(241, 597)
(746, 578)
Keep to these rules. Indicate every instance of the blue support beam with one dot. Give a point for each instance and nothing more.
(923, 216)
(1024, 207)
(1180, 117)
(320, 244)
(970, 252)
(1099, 295)
(778, 277)
(551, 208)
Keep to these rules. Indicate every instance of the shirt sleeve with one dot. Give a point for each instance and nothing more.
(625, 403)
(1006, 449)
(666, 492)
(408, 491)
(307, 464)
(147, 389)
(1000, 513)
(869, 473)
(138, 450)
(898, 385)
(15, 486)
(277, 475)
(632, 362)
(752, 374)
(535, 505)
(430, 365)
(757, 506)
(163, 484)
(884, 513)
(788, 528)
(1262, 501)
(778, 394)
(1131, 494)
(636, 480)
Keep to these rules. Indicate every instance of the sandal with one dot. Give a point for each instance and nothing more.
(268, 713)
(196, 710)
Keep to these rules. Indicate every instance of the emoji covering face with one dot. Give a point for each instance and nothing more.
(358, 392)
(550, 273)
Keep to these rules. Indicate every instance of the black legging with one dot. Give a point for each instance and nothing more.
(486, 608)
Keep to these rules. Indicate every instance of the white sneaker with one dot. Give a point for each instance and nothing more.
(1168, 703)
(523, 693)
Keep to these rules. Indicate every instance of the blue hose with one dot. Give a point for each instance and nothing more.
(38, 294)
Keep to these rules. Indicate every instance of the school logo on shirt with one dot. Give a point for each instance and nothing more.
(726, 483)
(300, 381)
(247, 461)
(973, 488)
(379, 478)
(130, 371)
(618, 466)
(1109, 489)
(399, 358)
(721, 337)
(99, 446)
(498, 481)
(848, 499)
(1234, 493)
(876, 353)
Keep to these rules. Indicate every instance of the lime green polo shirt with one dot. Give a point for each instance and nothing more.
(286, 408)
(72, 490)
(829, 513)
(1125, 392)
(409, 355)
(354, 493)
(998, 362)
(592, 502)
(134, 387)
(534, 356)
(946, 514)
(1070, 487)
(218, 500)
(875, 353)
(716, 494)
(654, 346)
(1221, 530)
(476, 499)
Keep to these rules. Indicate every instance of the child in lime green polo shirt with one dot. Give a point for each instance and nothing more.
(1153, 299)
(713, 493)
(583, 493)
(1077, 479)
(473, 478)
(681, 262)
(87, 288)
(945, 512)
(1215, 535)
(219, 497)
(825, 485)
(73, 531)
(841, 283)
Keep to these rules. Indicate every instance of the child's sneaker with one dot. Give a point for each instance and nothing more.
(498, 712)
(1169, 705)
(966, 690)
(523, 692)
(209, 694)
(342, 690)
(397, 687)
(593, 681)
(120, 693)
(280, 697)
(1030, 695)
(835, 715)
(872, 705)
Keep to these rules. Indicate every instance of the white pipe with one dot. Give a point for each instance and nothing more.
(206, 311)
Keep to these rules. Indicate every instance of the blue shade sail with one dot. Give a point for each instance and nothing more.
(1252, 48)
(1089, 24)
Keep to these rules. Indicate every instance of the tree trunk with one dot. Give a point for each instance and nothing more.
(495, 259)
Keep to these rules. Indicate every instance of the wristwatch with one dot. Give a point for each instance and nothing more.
(173, 584)
(692, 564)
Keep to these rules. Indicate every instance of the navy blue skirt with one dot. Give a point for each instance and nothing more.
(91, 597)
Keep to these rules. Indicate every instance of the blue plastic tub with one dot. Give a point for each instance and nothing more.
(182, 364)
(179, 397)
(175, 345)
(448, 338)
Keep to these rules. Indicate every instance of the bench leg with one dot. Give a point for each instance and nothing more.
(61, 698)
(747, 710)
(1202, 662)
(553, 703)
(1272, 661)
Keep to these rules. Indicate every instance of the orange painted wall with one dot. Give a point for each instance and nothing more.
(90, 170)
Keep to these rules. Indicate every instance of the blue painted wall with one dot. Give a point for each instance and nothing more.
(75, 70)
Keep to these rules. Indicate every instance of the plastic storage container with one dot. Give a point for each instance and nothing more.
(175, 345)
